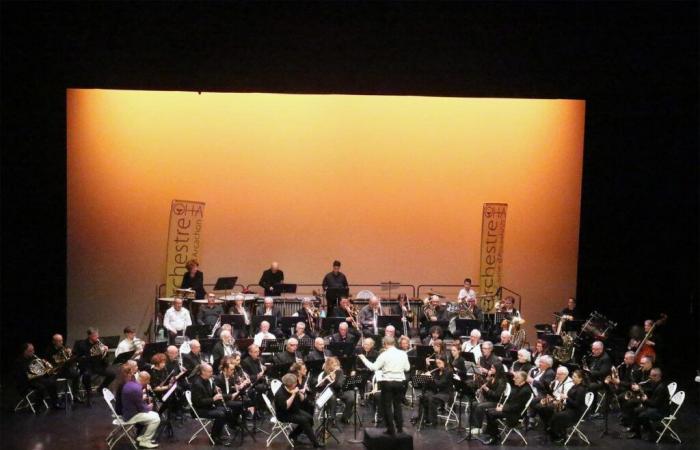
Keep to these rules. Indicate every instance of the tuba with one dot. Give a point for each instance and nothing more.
(429, 310)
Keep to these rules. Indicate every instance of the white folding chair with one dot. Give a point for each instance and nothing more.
(275, 385)
(203, 423)
(677, 399)
(590, 396)
(277, 427)
(26, 402)
(451, 414)
(507, 429)
(672, 386)
(120, 427)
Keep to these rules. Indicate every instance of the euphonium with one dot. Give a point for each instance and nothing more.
(428, 309)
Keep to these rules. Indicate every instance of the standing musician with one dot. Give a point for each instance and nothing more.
(270, 278)
(574, 406)
(653, 406)
(511, 410)
(176, 320)
(300, 370)
(343, 334)
(318, 353)
(368, 351)
(435, 335)
(488, 395)
(263, 334)
(193, 279)
(333, 376)
(368, 316)
(239, 309)
(394, 364)
(289, 356)
(466, 292)
(522, 363)
(210, 404)
(288, 408)
(473, 345)
(32, 372)
(61, 357)
(232, 385)
(194, 358)
(334, 279)
(570, 312)
(135, 410)
(91, 355)
(225, 347)
(209, 314)
(403, 308)
(653, 340)
(555, 396)
(437, 393)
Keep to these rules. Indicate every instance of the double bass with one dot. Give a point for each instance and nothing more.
(644, 349)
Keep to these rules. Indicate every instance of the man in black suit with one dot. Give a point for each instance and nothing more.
(598, 365)
(653, 408)
(334, 280)
(511, 410)
(270, 278)
(343, 334)
(542, 376)
(289, 355)
(209, 404)
(194, 358)
(288, 408)
(91, 354)
(318, 353)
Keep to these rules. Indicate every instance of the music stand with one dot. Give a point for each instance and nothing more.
(553, 340)
(282, 288)
(465, 326)
(271, 345)
(278, 370)
(225, 284)
(207, 344)
(386, 320)
(353, 382)
(123, 357)
(468, 357)
(243, 344)
(499, 350)
(422, 352)
(256, 320)
(323, 431)
(573, 325)
(330, 324)
(341, 349)
(237, 321)
(315, 367)
(442, 324)
(289, 323)
(198, 331)
(152, 348)
(347, 362)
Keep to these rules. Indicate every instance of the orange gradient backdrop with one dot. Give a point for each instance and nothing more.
(391, 186)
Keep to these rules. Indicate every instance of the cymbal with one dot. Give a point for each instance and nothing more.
(431, 293)
(167, 299)
(206, 301)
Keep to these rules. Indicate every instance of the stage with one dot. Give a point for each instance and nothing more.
(86, 428)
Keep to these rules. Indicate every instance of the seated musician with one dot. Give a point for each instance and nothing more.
(31, 372)
(653, 340)
(209, 313)
(598, 365)
(288, 408)
(473, 310)
(654, 406)
(541, 376)
(510, 410)
(92, 360)
(319, 351)
(343, 335)
(176, 320)
(289, 355)
(268, 308)
(300, 332)
(487, 359)
(473, 345)
(239, 309)
(347, 310)
(574, 406)
(308, 314)
(522, 363)
(300, 370)
(270, 278)
(439, 393)
(622, 383)
(61, 356)
(432, 311)
(435, 335)
(368, 316)
(369, 352)
(405, 345)
(173, 358)
(162, 380)
(210, 404)
(232, 388)
(403, 308)
(225, 347)
(254, 367)
(457, 363)
(439, 351)
(554, 397)
(390, 331)
(333, 376)
(194, 358)
(640, 384)
(193, 278)
(518, 333)
(507, 347)
(488, 395)
(136, 411)
(263, 334)
(509, 308)
(541, 348)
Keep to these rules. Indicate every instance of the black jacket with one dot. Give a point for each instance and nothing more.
(269, 279)
(190, 361)
(276, 312)
(196, 283)
(203, 394)
(599, 367)
(519, 395)
(576, 398)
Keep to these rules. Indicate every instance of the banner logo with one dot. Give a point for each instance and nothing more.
(493, 228)
(184, 240)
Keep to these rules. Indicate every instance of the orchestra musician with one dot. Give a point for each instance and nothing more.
(368, 351)
(394, 364)
(289, 355)
(348, 310)
(268, 308)
(309, 314)
(194, 358)
(62, 357)
(300, 332)
(574, 406)
(439, 351)
(511, 410)
(334, 279)
(554, 397)
(403, 308)
(239, 309)
(457, 363)
(570, 312)
(343, 334)
(210, 404)
(232, 385)
(300, 370)
(368, 316)
(466, 293)
(518, 333)
(319, 352)
(653, 340)
(541, 348)
(432, 311)
(640, 385)
(473, 311)
(405, 345)
(507, 347)
(135, 410)
(173, 358)
(523, 362)
(193, 279)
(390, 331)
(130, 343)
(226, 346)
(473, 345)
(254, 367)
(437, 393)
(31, 372)
(270, 278)
(435, 335)
(541, 376)
(91, 355)
(653, 407)
(263, 334)
(509, 308)
(288, 408)
(488, 395)
(209, 313)
(176, 320)
(487, 359)
(333, 376)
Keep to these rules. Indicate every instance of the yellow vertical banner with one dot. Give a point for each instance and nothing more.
(493, 228)
(184, 240)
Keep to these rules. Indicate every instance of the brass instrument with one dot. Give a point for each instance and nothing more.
(63, 355)
(351, 312)
(479, 393)
(637, 395)
(614, 376)
(313, 314)
(40, 367)
(429, 310)
(98, 349)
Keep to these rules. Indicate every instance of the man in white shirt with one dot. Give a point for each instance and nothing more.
(394, 364)
(176, 320)
(129, 344)
(466, 292)
(263, 334)
(473, 345)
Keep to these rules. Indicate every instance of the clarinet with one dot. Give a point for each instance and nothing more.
(223, 402)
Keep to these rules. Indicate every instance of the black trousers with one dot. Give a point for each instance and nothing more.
(476, 419)
(46, 386)
(87, 372)
(220, 417)
(644, 417)
(391, 404)
(492, 425)
(544, 411)
(304, 422)
(430, 402)
(561, 421)
(348, 397)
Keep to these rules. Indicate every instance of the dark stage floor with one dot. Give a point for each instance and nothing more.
(83, 428)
